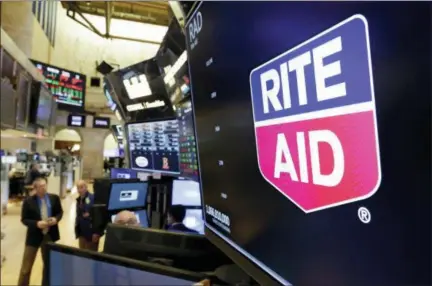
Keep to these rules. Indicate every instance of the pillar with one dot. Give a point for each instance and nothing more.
(92, 147)
(43, 145)
(17, 21)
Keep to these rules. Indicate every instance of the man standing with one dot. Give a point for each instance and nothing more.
(87, 237)
(40, 213)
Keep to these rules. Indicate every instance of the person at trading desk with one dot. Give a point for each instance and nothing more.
(87, 237)
(175, 217)
(40, 213)
(32, 175)
(126, 218)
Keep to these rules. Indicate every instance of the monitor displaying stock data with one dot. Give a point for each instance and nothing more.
(67, 87)
(154, 146)
(188, 152)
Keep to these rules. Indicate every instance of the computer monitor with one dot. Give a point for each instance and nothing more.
(185, 192)
(73, 266)
(122, 173)
(141, 216)
(67, 87)
(319, 172)
(184, 250)
(187, 141)
(154, 146)
(194, 220)
(127, 195)
(102, 187)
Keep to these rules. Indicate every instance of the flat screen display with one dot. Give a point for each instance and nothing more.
(23, 99)
(107, 91)
(154, 146)
(117, 131)
(120, 173)
(44, 108)
(67, 87)
(127, 196)
(188, 151)
(185, 192)
(101, 122)
(140, 215)
(142, 80)
(194, 220)
(76, 120)
(22, 157)
(73, 270)
(320, 173)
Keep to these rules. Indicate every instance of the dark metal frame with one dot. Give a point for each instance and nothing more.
(225, 244)
(73, 9)
(120, 261)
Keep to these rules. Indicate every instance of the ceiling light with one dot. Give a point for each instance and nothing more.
(169, 76)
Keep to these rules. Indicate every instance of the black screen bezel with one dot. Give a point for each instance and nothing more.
(119, 261)
(250, 267)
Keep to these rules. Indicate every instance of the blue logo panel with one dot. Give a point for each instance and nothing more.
(315, 75)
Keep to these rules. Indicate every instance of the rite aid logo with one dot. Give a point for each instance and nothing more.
(315, 119)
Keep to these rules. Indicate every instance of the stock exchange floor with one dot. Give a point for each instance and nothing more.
(12, 246)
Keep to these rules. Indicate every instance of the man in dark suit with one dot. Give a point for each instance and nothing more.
(88, 238)
(176, 215)
(40, 213)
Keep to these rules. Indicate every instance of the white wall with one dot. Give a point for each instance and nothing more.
(43, 145)
(110, 143)
(17, 22)
(11, 144)
(110, 147)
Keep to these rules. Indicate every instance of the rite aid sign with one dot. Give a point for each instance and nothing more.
(315, 119)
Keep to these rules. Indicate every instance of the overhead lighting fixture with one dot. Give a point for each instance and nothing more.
(175, 68)
(117, 114)
(75, 147)
(167, 68)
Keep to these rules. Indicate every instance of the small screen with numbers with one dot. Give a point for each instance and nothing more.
(187, 141)
(154, 146)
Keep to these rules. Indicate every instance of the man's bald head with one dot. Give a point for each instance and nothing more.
(126, 218)
(82, 187)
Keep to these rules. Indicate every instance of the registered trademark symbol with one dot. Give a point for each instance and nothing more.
(364, 215)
